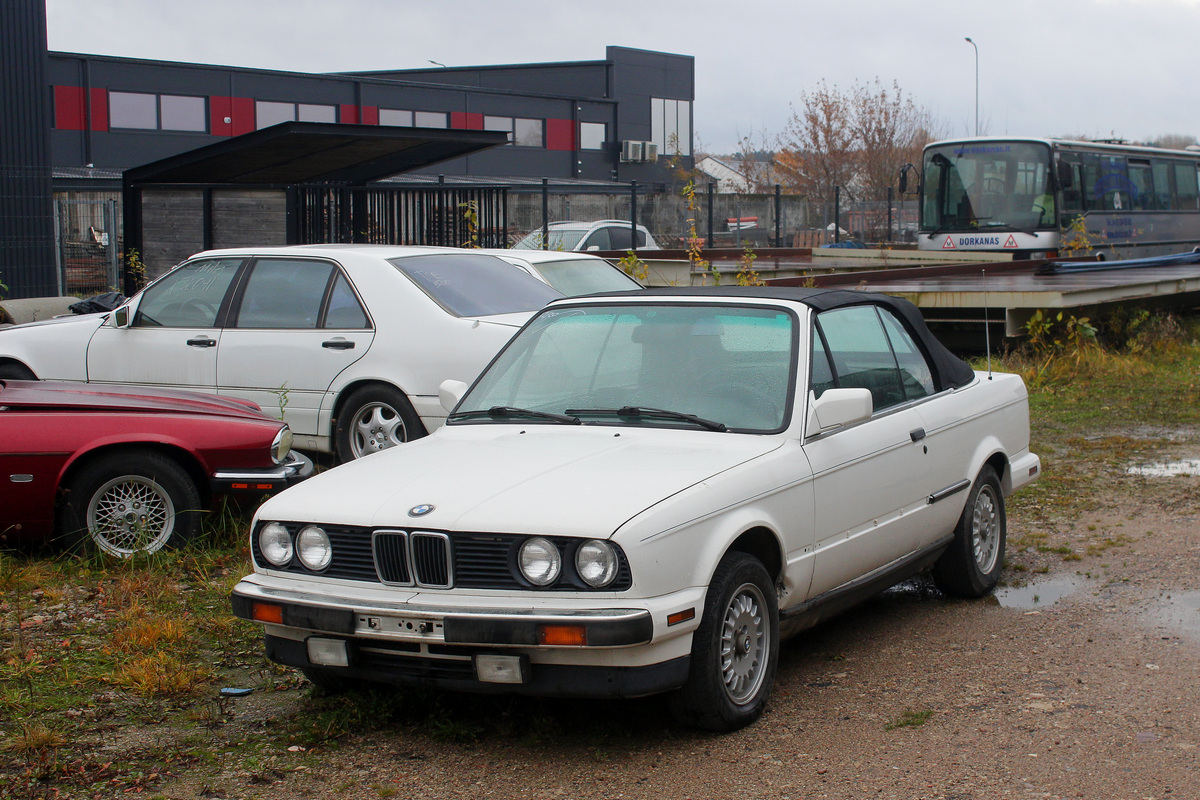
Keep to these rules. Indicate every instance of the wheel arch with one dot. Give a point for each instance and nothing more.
(16, 364)
(761, 543)
(339, 403)
(187, 461)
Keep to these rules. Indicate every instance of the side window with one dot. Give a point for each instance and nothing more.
(861, 354)
(822, 372)
(189, 297)
(619, 238)
(597, 240)
(915, 374)
(284, 293)
(344, 309)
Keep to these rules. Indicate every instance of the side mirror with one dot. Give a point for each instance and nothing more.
(450, 392)
(121, 317)
(838, 407)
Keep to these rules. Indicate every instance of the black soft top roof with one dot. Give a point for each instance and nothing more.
(950, 371)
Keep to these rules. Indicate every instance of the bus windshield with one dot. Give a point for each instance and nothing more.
(991, 185)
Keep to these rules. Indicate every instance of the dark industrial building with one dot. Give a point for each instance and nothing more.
(76, 123)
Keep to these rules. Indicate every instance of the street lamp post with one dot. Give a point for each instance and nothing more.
(972, 43)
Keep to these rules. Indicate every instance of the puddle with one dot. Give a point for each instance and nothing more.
(1179, 611)
(1170, 469)
(1040, 594)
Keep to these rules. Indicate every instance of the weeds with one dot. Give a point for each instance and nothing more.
(634, 267)
(909, 719)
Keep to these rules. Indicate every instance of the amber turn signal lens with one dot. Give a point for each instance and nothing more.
(563, 635)
(681, 616)
(267, 612)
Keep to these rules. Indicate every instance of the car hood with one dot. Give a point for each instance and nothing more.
(504, 478)
(46, 395)
(88, 321)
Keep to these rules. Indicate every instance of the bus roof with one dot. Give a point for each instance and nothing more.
(1069, 144)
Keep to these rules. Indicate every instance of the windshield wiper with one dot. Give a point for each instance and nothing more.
(496, 412)
(657, 413)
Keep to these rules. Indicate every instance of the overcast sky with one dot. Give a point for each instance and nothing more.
(1100, 68)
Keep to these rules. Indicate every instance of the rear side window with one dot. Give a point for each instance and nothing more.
(865, 347)
(475, 285)
(284, 293)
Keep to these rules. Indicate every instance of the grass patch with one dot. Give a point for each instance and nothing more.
(909, 719)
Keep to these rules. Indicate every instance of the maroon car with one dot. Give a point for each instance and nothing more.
(127, 472)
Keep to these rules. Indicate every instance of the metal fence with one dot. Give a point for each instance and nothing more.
(87, 242)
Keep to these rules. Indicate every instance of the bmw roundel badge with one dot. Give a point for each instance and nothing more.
(421, 510)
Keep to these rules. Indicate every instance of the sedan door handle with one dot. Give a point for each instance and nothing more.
(917, 435)
(338, 344)
(202, 341)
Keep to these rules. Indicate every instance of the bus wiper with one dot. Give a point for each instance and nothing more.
(656, 413)
(496, 412)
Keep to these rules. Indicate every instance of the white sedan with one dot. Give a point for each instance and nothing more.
(644, 493)
(346, 343)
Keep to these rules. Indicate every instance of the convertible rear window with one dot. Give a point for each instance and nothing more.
(475, 285)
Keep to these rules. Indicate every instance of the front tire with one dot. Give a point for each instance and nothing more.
(735, 651)
(131, 503)
(374, 418)
(971, 566)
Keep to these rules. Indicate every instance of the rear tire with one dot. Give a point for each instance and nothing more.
(374, 418)
(134, 502)
(971, 566)
(735, 651)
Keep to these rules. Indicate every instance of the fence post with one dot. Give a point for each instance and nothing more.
(778, 214)
(711, 191)
(889, 202)
(545, 213)
(633, 214)
(837, 213)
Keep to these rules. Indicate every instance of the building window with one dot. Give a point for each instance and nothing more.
(178, 113)
(395, 116)
(130, 110)
(307, 112)
(528, 133)
(166, 112)
(592, 135)
(499, 124)
(267, 113)
(430, 119)
(671, 126)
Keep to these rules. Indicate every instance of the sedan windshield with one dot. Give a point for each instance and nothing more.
(474, 284)
(706, 367)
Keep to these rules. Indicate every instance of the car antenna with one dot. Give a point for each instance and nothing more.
(987, 333)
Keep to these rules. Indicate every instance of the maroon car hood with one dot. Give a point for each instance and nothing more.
(94, 397)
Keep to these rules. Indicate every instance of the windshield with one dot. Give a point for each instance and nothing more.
(585, 276)
(729, 366)
(987, 185)
(475, 285)
(557, 239)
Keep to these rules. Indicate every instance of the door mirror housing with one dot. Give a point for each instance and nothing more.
(122, 317)
(450, 392)
(836, 408)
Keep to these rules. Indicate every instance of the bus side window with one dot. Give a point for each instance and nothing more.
(1162, 184)
(1187, 188)
(1073, 194)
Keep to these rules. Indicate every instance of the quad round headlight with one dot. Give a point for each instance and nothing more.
(540, 561)
(275, 543)
(596, 562)
(312, 545)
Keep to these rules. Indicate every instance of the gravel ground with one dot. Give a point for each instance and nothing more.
(1082, 682)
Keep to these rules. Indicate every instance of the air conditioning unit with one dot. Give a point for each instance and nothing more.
(649, 151)
(631, 151)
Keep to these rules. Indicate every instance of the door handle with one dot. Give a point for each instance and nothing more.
(338, 344)
(202, 341)
(917, 435)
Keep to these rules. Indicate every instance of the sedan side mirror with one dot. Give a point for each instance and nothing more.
(836, 408)
(121, 317)
(450, 392)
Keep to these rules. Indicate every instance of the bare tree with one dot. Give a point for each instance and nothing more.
(1173, 141)
(889, 131)
(817, 145)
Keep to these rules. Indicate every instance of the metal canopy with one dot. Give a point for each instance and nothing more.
(314, 152)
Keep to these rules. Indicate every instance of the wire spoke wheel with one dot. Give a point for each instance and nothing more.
(745, 644)
(130, 514)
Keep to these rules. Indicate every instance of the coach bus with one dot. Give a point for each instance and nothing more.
(1041, 198)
